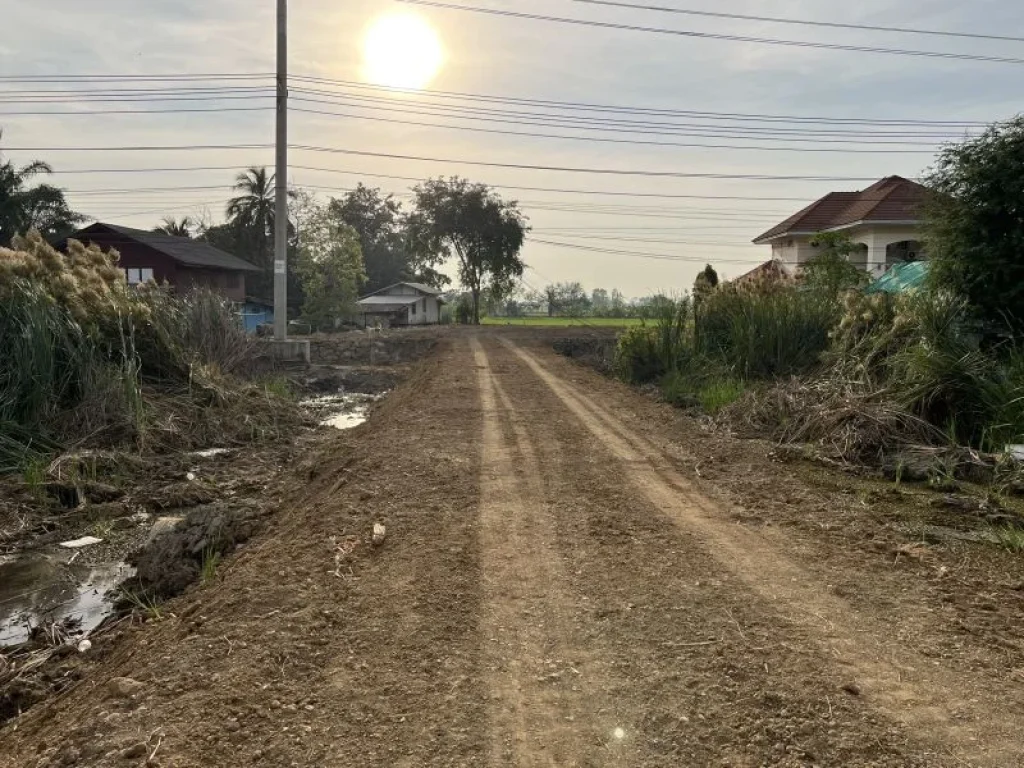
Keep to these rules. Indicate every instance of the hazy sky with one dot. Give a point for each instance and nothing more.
(525, 59)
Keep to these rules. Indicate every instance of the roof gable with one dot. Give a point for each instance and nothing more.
(421, 288)
(192, 253)
(891, 199)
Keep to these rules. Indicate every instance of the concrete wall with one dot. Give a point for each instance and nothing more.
(875, 257)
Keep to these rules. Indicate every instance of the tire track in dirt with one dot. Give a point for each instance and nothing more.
(939, 705)
(546, 709)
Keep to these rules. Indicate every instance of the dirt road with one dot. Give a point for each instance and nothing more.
(558, 588)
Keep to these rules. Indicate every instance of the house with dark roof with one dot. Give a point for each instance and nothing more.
(884, 220)
(181, 262)
(401, 304)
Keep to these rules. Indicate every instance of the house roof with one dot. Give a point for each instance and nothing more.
(421, 287)
(770, 271)
(892, 199)
(192, 253)
(379, 301)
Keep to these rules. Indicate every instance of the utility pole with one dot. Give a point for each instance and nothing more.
(281, 179)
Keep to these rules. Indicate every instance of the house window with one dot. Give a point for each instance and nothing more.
(137, 276)
(414, 308)
(424, 305)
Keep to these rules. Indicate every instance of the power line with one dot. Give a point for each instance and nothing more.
(106, 112)
(716, 36)
(571, 169)
(622, 125)
(801, 22)
(648, 254)
(415, 179)
(419, 158)
(587, 106)
(179, 76)
(590, 106)
(607, 140)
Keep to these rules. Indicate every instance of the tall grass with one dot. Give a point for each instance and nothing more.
(871, 371)
(84, 358)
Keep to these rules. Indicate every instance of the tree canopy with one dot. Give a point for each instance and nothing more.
(974, 225)
(24, 207)
(329, 265)
(455, 218)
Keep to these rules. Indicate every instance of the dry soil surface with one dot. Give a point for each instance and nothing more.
(572, 576)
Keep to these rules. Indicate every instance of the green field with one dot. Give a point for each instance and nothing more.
(564, 322)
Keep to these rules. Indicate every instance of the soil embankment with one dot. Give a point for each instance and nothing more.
(572, 575)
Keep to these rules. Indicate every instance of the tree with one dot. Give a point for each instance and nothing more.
(456, 218)
(377, 221)
(567, 299)
(23, 208)
(184, 228)
(706, 282)
(974, 226)
(831, 271)
(254, 210)
(618, 304)
(599, 301)
(329, 265)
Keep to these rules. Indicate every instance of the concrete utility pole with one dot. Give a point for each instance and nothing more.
(281, 179)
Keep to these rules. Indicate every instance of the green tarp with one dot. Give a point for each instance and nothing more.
(900, 278)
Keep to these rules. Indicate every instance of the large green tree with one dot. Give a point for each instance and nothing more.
(329, 265)
(455, 218)
(380, 224)
(974, 226)
(24, 206)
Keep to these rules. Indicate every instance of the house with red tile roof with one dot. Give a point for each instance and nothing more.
(884, 220)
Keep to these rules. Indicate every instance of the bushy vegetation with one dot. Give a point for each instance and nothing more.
(86, 359)
(865, 374)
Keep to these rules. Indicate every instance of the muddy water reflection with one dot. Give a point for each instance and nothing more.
(42, 586)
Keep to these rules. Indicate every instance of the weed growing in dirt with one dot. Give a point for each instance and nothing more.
(211, 559)
(33, 473)
(1010, 537)
(102, 529)
(142, 603)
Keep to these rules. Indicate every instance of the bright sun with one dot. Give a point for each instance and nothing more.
(401, 51)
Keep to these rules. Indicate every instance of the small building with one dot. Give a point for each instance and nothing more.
(181, 262)
(400, 304)
(884, 219)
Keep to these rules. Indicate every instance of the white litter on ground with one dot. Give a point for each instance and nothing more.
(85, 541)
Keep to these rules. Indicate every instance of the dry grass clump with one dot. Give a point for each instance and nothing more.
(89, 361)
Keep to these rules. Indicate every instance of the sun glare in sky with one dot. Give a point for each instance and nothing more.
(401, 51)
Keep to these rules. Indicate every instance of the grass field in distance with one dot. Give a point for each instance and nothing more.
(564, 322)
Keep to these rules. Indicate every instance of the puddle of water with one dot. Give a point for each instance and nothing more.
(344, 410)
(42, 587)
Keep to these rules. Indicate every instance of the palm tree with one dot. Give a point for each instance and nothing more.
(170, 226)
(253, 209)
(42, 207)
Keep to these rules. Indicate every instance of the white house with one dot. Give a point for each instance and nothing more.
(884, 219)
(401, 304)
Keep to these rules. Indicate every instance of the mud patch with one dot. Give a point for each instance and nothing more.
(173, 559)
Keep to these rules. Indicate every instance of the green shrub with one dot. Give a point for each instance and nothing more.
(780, 331)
